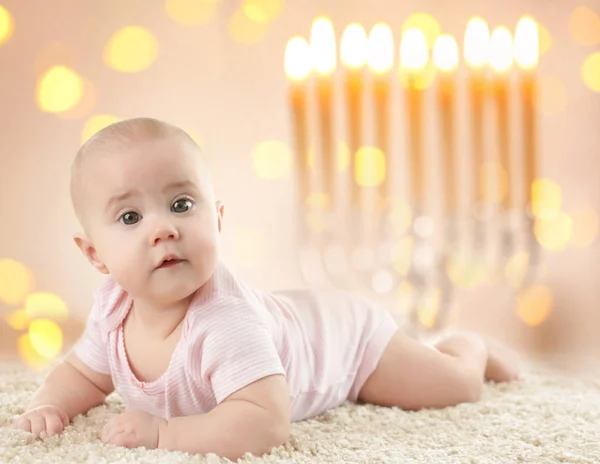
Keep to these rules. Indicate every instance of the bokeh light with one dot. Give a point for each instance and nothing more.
(590, 71)
(584, 26)
(476, 46)
(131, 49)
(297, 58)
(534, 304)
(29, 354)
(501, 49)
(416, 69)
(370, 167)
(97, 123)
(244, 30)
(45, 305)
(546, 198)
(427, 24)
(466, 269)
(85, 105)
(262, 11)
(554, 233)
(516, 269)
(59, 89)
(7, 26)
(322, 45)
(191, 12)
(585, 227)
(46, 337)
(553, 95)
(545, 39)
(354, 46)
(18, 320)
(272, 160)
(400, 214)
(381, 48)
(250, 245)
(428, 307)
(16, 281)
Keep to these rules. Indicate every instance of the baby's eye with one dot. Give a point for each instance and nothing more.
(182, 205)
(130, 218)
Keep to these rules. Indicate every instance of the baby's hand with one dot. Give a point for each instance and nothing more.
(49, 419)
(132, 429)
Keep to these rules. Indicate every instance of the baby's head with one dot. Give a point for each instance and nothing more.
(143, 194)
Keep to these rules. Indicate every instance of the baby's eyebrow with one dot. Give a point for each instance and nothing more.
(184, 184)
(115, 199)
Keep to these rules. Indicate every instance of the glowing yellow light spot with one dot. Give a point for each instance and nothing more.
(45, 305)
(46, 337)
(553, 95)
(381, 48)
(545, 39)
(370, 167)
(428, 308)
(272, 160)
(322, 45)
(250, 246)
(354, 46)
(243, 30)
(400, 215)
(416, 69)
(262, 11)
(97, 123)
(85, 105)
(403, 252)
(131, 49)
(29, 355)
(585, 227)
(59, 89)
(477, 42)
(527, 43)
(546, 198)
(590, 70)
(555, 232)
(18, 320)
(405, 296)
(7, 26)
(466, 270)
(191, 12)
(16, 280)
(534, 304)
(445, 53)
(297, 61)
(501, 49)
(584, 26)
(516, 269)
(427, 24)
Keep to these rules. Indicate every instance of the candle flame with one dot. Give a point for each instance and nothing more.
(413, 50)
(354, 46)
(322, 45)
(526, 44)
(501, 49)
(477, 42)
(381, 48)
(297, 58)
(445, 53)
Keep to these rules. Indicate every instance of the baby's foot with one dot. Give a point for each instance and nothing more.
(502, 364)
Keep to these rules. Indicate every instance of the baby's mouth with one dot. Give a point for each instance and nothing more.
(167, 263)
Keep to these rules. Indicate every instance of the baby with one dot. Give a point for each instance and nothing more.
(204, 363)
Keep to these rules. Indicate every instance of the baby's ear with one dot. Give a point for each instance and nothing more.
(87, 248)
(220, 211)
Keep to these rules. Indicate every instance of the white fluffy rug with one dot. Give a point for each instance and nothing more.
(548, 417)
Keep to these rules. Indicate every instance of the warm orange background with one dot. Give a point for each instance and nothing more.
(223, 81)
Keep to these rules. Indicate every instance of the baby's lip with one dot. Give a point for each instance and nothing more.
(168, 260)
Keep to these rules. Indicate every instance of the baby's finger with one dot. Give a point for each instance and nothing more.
(120, 439)
(109, 431)
(54, 424)
(23, 423)
(38, 424)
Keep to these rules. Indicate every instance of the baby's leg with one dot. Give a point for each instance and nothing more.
(412, 375)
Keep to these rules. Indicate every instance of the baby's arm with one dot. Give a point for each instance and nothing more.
(73, 388)
(254, 419)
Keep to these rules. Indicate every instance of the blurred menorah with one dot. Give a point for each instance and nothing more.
(366, 220)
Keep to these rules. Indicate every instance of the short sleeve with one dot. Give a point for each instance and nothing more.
(91, 348)
(233, 347)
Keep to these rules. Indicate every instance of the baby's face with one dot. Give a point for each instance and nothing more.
(152, 218)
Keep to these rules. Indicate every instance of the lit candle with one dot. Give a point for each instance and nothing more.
(500, 59)
(381, 61)
(526, 51)
(476, 49)
(297, 68)
(445, 58)
(323, 57)
(413, 58)
(353, 53)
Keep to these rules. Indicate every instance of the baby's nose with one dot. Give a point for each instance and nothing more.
(164, 231)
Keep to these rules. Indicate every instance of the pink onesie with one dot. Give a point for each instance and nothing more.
(325, 343)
